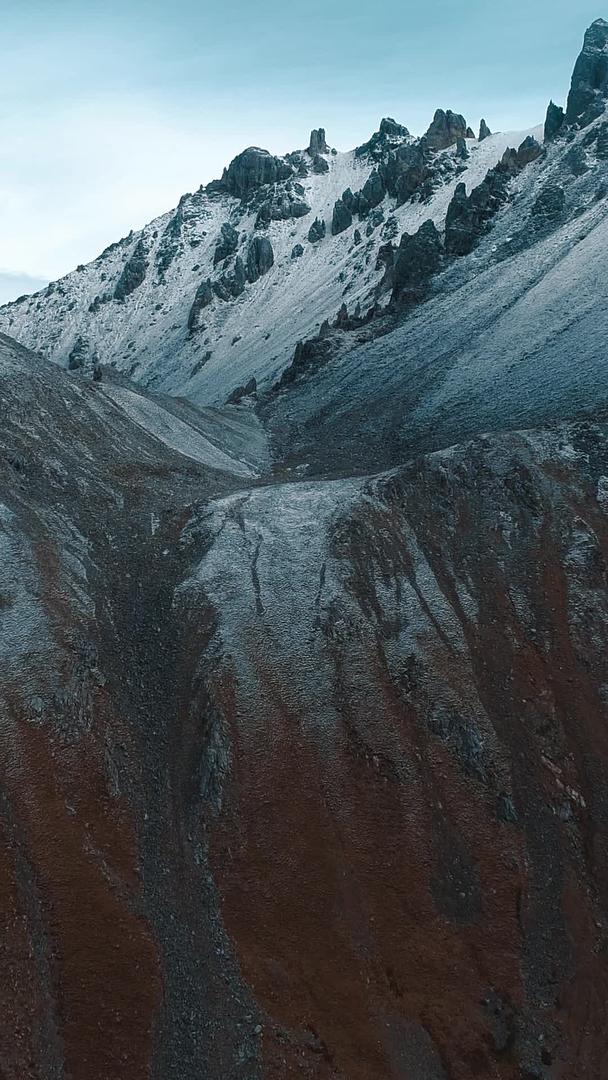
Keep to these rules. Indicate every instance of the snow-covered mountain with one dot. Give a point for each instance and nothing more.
(222, 288)
(304, 696)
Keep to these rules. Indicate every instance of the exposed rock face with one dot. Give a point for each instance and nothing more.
(260, 258)
(406, 170)
(319, 165)
(418, 257)
(388, 137)
(134, 272)
(468, 217)
(550, 204)
(484, 131)
(554, 121)
(589, 90)
(227, 243)
(202, 299)
(317, 231)
(317, 144)
(232, 282)
(341, 219)
(283, 205)
(446, 129)
(251, 170)
(372, 193)
(237, 395)
(79, 354)
(529, 151)
(461, 149)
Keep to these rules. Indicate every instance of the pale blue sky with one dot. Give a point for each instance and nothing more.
(110, 110)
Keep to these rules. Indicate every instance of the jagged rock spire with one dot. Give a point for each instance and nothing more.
(317, 143)
(484, 131)
(554, 121)
(589, 90)
(446, 129)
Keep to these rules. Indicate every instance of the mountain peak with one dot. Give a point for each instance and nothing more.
(317, 144)
(446, 129)
(589, 89)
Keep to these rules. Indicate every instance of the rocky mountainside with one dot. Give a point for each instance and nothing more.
(221, 289)
(303, 741)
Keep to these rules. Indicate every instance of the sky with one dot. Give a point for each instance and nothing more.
(110, 111)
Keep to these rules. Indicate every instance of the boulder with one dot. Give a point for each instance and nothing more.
(297, 251)
(589, 89)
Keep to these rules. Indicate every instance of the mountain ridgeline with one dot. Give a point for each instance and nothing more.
(304, 621)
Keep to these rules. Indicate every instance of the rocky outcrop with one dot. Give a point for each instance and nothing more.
(484, 131)
(589, 89)
(227, 243)
(417, 259)
(249, 389)
(389, 136)
(407, 170)
(554, 121)
(203, 297)
(79, 353)
(342, 218)
(445, 130)
(260, 258)
(309, 356)
(461, 149)
(317, 231)
(232, 282)
(469, 217)
(284, 204)
(549, 205)
(170, 245)
(372, 193)
(251, 170)
(134, 272)
(319, 165)
(297, 251)
(317, 144)
(529, 151)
